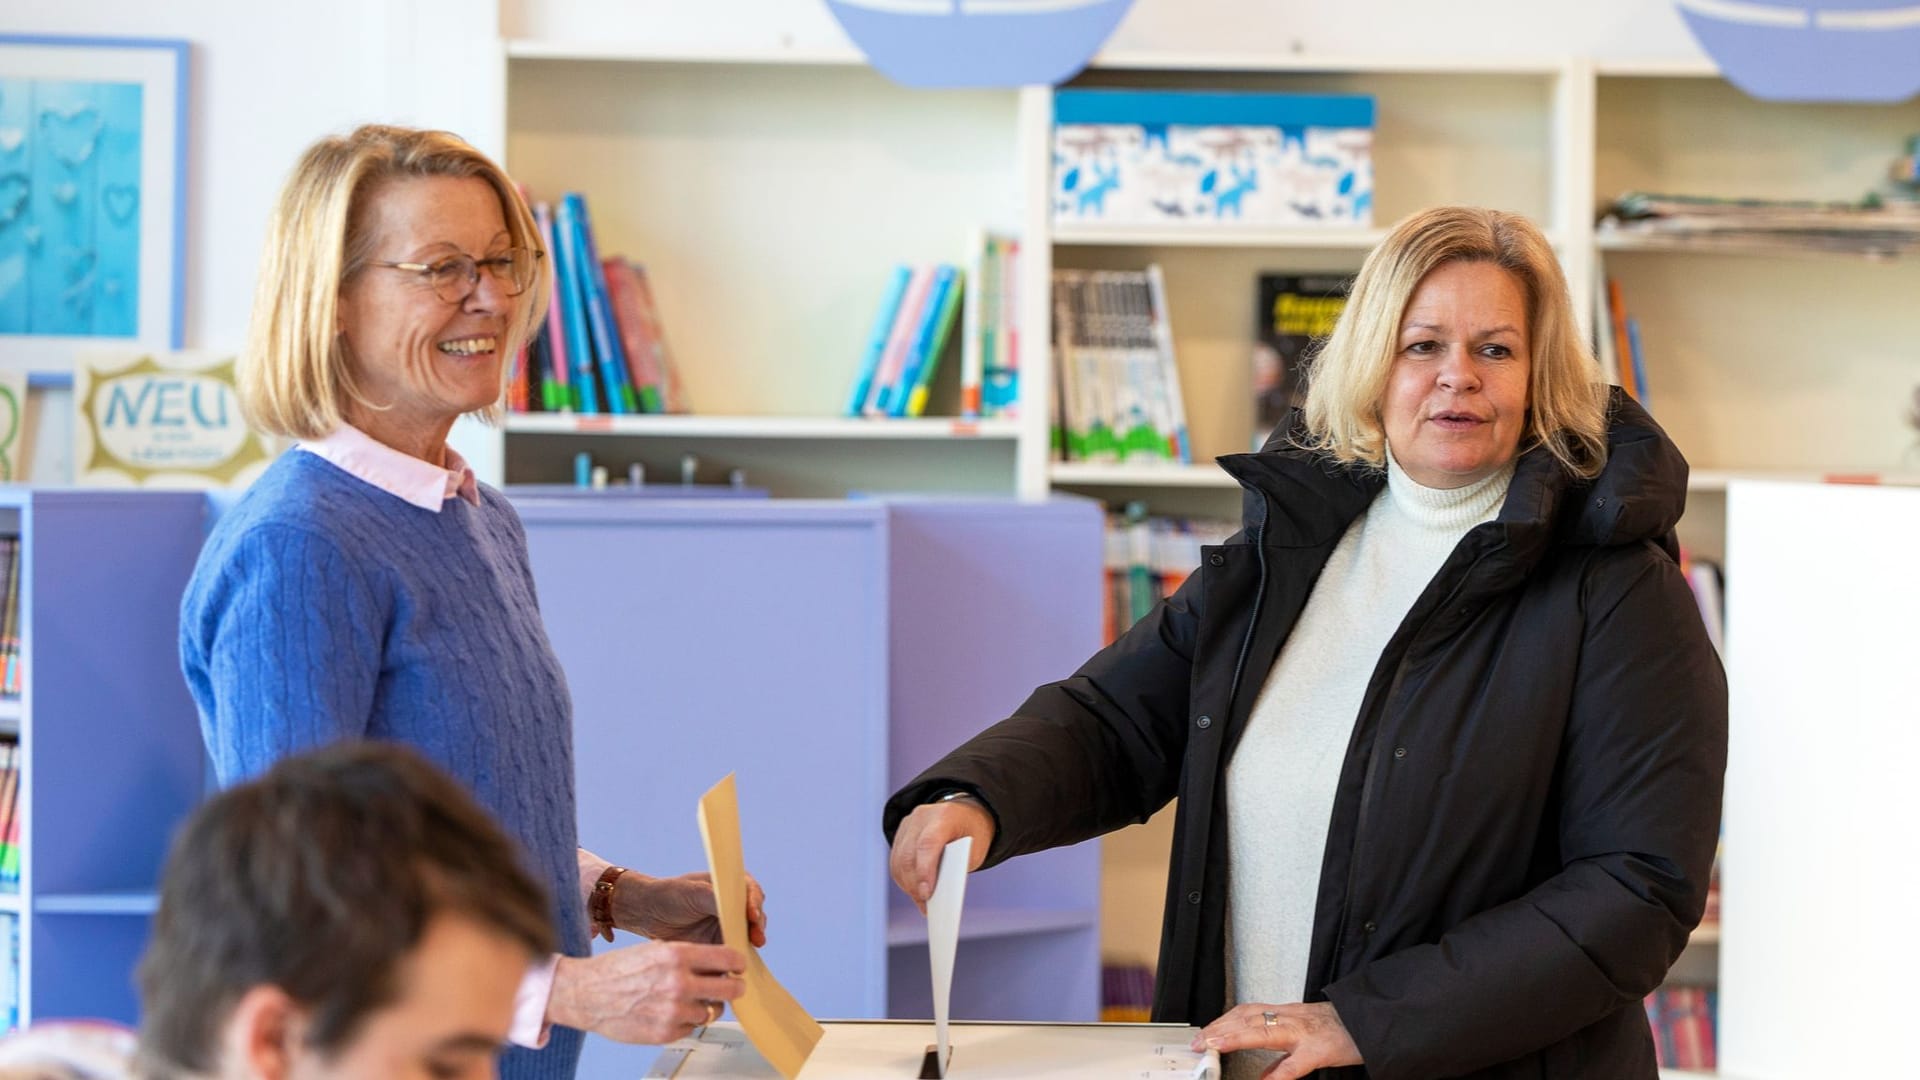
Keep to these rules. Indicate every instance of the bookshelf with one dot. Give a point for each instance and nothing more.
(109, 739)
(693, 158)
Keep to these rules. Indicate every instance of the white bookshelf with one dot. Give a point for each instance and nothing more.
(694, 156)
(1086, 474)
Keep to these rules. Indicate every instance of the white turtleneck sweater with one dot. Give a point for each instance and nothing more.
(1281, 781)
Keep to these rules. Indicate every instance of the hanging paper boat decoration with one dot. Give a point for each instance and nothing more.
(1812, 50)
(949, 43)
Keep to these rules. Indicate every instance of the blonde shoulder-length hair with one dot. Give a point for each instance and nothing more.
(294, 379)
(1347, 380)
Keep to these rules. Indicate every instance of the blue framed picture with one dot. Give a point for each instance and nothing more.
(92, 196)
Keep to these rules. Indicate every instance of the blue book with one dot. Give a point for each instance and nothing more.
(607, 347)
(573, 308)
(877, 338)
(893, 397)
(1639, 362)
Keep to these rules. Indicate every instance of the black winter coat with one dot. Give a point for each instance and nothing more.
(1527, 812)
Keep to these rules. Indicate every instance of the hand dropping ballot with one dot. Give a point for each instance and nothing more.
(943, 941)
(776, 1038)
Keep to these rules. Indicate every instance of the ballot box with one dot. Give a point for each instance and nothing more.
(897, 1050)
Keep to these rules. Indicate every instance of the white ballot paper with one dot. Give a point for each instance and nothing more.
(943, 939)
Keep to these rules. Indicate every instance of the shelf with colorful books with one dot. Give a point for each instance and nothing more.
(1759, 368)
(763, 427)
(1512, 133)
(768, 194)
(107, 759)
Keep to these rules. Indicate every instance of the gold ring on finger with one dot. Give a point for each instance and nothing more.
(713, 1012)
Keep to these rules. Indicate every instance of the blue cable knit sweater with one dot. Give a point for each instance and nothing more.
(324, 608)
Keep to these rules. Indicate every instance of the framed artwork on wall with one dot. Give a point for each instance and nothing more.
(92, 196)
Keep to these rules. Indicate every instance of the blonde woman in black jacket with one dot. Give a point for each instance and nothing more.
(1444, 723)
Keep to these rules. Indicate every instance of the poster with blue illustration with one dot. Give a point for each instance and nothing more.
(91, 196)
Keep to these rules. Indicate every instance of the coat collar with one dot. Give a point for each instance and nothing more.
(1294, 497)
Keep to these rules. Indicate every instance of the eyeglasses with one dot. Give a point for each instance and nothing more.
(455, 277)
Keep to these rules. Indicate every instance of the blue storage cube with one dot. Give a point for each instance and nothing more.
(1210, 158)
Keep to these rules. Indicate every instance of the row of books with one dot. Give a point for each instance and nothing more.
(1684, 1020)
(9, 816)
(909, 338)
(914, 325)
(1617, 335)
(1119, 394)
(603, 348)
(12, 671)
(1147, 558)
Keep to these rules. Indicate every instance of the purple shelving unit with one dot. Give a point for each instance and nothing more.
(824, 652)
(109, 740)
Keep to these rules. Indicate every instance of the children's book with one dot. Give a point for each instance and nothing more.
(893, 395)
(633, 328)
(890, 299)
(555, 393)
(915, 402)
(573, 298)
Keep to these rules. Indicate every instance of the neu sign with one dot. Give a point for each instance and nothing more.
(161, 420)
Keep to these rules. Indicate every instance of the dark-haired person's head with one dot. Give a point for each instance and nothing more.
(352, 912)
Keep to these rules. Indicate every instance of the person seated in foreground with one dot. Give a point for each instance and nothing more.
(350, 913)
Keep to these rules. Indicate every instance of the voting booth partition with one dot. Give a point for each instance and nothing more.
(825, 652)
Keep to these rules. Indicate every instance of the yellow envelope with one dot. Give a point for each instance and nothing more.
(781, 1030)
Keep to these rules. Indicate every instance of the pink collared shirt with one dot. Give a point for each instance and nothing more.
(421, 483)
(428, 487)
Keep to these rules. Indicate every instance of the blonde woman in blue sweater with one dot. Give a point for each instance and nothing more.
(368, 587)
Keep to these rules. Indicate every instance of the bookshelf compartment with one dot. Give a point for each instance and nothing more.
(769, 203)
(109, 741)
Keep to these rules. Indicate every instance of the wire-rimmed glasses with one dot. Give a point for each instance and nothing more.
(455, 277)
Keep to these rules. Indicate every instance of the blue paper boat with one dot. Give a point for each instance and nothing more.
(950, 43)
(1812, 50)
